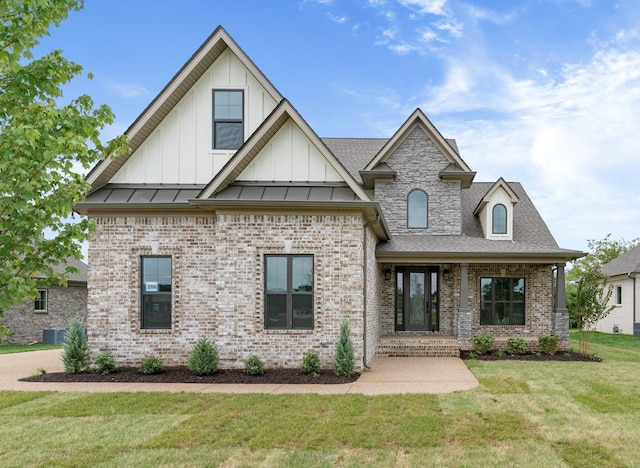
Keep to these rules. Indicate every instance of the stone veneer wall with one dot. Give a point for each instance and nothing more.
(218, 282)
(63, 305)
(417, 162)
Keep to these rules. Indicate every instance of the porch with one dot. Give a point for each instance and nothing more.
(417, 345)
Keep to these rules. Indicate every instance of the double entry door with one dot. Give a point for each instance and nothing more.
(417, 299)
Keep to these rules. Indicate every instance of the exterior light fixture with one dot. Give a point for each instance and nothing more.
(387, 274)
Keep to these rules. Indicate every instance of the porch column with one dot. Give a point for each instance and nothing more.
(464, 313)
(560, 313)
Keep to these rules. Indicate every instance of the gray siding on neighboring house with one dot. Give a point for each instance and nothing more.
(63, 305)
(418, 161)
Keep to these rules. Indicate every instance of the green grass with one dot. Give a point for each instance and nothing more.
(21, 348)
(575, 414)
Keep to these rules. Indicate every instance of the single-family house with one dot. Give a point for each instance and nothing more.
(622, 273)
(231, 219)
(52, 310)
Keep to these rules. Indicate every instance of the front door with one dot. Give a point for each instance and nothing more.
(417, 308)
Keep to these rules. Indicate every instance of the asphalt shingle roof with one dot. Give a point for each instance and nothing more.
(628, 262)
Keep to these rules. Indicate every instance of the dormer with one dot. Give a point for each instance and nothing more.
(495, 211)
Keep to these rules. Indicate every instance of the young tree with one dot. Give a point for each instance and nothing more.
(345, 357)
(75, 356)
(44, 145)
(592, 304)
(602, 251)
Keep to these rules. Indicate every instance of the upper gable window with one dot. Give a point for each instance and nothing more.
(499, 219)
(417, 206)
(228, 122)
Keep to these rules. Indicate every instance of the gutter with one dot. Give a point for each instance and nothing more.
(364, 291)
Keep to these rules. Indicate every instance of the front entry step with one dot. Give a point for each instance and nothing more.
(417, 346)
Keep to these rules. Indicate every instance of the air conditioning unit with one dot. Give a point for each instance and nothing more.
(55, 336)
(636, 329)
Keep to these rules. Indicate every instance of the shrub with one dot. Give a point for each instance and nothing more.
(151, 365)
(549, 343)
(501, 354)
(311, 363)
(204, 358)
(253, 365)
(5, 333)
(105, 364)
(345, 357)
(75, 356)
(482, 343)
(517, 346)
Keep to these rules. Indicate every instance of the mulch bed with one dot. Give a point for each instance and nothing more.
(561, 356)
(184, 375)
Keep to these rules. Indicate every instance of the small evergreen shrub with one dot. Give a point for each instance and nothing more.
(311, 363)
(253, 365)
(549, 344)
(501, 354)
(151, 365)
(345, 357)
(517, 346)
(482, 343)
(105, 364)
(204, 358)
(5, 333)
(75, 356)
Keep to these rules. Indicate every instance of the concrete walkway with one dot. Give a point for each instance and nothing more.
(387, 376)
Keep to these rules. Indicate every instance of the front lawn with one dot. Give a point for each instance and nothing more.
(21, 348)
(522, 414)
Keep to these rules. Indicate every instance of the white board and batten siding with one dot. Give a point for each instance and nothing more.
(179, 151)
(290, 156)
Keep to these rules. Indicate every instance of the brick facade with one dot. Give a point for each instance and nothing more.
(218, 285)
(63, 305)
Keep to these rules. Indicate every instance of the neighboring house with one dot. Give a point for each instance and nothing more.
(54, 308)
(231, 219)
(622, 273)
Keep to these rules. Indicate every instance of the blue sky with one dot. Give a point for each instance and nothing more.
(543, 92)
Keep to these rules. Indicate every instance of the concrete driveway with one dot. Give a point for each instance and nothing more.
(387, 376)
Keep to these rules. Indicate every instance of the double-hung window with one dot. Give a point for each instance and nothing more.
(289, 292)
(41, 301)
(228, 122)
(502, 301)
(618, 295)
(156, 293)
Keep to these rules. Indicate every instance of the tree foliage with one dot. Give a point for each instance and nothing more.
(592, 304)
(344, 360)
(45, 144)
(602, 251)
(75, 356)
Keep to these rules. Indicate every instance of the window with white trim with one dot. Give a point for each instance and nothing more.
(41, 301)
(228, 119)
(417, 209)
(499, 220)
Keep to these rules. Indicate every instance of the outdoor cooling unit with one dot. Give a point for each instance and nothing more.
(54, 336)
(636, 329)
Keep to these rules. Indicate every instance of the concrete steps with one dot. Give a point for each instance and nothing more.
(417, 346)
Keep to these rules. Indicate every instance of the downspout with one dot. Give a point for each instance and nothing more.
(364, 297)
(634, 294)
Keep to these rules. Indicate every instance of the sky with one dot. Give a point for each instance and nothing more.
(542, 92)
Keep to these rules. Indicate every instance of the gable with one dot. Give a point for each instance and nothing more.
(171, 141)
(283, 149)
(290, 156)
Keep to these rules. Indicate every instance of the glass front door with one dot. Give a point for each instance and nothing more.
(417, 299)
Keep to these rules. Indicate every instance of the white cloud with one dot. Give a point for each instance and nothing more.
(127, 90)
(427, 7)
(572, 142)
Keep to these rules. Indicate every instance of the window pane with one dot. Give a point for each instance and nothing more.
(156, 311)
(485, 315)
(499, 219)
(276, 311)
(518, 289)
(156, 274)
(518, 314)
(502, 289)
(416, 297)
(302, 311)
(417, 209)
(302, 274)
(276, 274)
(229, 135)
(502, 313)
(399, 298)
(485, 289)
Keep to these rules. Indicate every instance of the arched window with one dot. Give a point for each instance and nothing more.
(417, 203)
(500, 219)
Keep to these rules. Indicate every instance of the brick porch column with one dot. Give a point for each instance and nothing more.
(464, 313)
(560, 312)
